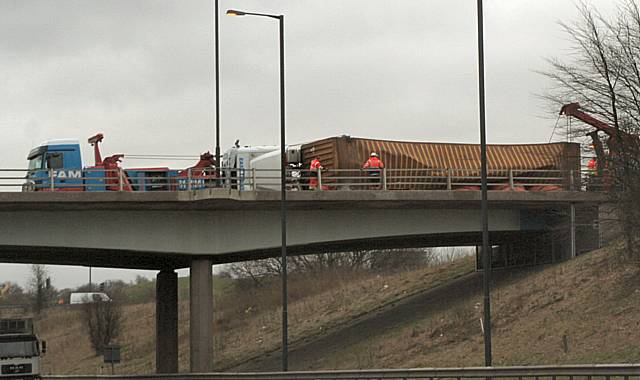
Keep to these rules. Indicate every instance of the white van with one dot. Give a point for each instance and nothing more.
(77, 298)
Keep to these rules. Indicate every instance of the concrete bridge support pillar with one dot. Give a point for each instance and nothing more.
(167, 322)
(201, 316)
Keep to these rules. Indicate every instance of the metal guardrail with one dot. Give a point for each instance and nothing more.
(568, 372)
(298, 179)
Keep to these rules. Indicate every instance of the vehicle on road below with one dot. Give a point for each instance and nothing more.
(20, 350)
(88, 297)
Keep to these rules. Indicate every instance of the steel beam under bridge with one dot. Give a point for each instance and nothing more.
(160, 230)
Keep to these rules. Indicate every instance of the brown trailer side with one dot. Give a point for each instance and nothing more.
(423, 165)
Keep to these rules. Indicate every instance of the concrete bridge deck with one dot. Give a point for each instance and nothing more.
(167, 229)
(233, 199)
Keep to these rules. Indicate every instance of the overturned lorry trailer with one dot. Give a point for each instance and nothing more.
(440, 166)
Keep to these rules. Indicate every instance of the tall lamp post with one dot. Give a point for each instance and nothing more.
(486, 250)
(283, 179)
(217, 70)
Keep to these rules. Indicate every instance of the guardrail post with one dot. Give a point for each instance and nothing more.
(120, 180)
(319, 187)
(253, 179)
(52, 183)
(511, 186)
(572, 230)
(189, 179)
(571, 180)
(384, 178)
(449, 174)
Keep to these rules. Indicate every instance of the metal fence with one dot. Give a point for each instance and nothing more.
(570, 372)
(298, 179)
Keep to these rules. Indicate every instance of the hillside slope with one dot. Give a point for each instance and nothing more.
(584, 311)
(247, 322)
(575, 312)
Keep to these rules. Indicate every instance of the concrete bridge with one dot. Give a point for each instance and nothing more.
(196, 229)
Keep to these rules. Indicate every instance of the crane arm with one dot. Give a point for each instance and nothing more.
(573, 109)
(94, 141)
(616, 137)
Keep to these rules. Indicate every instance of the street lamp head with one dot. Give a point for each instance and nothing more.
(232, 12)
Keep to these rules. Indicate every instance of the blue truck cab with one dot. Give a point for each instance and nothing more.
(60, 160)
(56, 165)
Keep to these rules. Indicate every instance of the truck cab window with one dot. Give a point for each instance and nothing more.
(54, 161)
(35, 163)
(18, 348)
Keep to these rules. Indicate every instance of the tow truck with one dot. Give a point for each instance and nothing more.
(56, 165)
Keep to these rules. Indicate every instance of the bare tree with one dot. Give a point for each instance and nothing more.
(40, 290)
(390, 260)
(380, 260)
(103, 321)
(603, 75)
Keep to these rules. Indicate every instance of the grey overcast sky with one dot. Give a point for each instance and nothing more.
(142, 73)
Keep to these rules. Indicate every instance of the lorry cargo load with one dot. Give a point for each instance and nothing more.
(427, 165)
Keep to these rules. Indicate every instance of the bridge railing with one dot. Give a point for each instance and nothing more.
(564, 372)
(298, 179)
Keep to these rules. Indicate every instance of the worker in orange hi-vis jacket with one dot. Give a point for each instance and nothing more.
(373, 166)
(314, 167)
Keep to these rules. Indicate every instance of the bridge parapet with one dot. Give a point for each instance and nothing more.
(116, 180)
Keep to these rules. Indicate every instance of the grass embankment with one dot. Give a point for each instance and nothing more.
(583, 311)
(247, 321)
(590, 303)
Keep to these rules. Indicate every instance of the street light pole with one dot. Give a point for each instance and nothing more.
(217, 72)
(283, 206)
(486, 251)
(283, 185)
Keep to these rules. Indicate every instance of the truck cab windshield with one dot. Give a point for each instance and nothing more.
(18, 348)
(35, 163)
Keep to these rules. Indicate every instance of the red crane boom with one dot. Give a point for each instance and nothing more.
(573, 109)
(615, 137)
